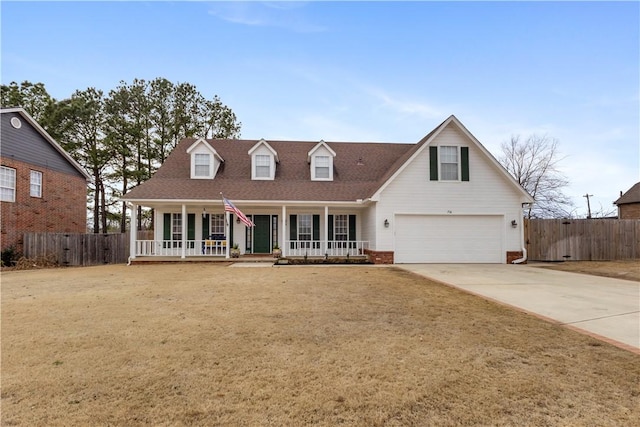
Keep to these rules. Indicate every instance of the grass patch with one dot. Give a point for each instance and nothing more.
(204, 344)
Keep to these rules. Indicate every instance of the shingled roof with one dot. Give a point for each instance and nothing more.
(631, 196)
(359, 170)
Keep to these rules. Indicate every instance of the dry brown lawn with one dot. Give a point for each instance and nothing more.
(628, 270)
(200, 344)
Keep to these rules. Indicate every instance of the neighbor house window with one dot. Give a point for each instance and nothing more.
(322, 167)
(263, 166)
(202, 165)
(448, 163)
(7, 184)
(36, 184)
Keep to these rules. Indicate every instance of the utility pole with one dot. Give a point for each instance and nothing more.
(588, 205)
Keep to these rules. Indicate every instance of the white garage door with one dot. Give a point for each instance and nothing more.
(449, 239)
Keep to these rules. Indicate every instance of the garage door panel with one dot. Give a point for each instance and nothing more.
(448, 239)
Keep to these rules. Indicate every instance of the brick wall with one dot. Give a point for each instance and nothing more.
(62, 208)
(380, 257)
(513, 255)
(630, 211)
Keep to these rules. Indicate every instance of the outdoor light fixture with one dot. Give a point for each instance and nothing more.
(204, 212)
(386, 223)
(514, 224)
(237, 220)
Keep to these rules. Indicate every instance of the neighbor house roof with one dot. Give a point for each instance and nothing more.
(48, 138)
(631, 196)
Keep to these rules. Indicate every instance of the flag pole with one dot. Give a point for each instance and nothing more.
(227, 227)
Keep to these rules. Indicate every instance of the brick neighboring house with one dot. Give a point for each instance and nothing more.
(42, 189)
(629, 203)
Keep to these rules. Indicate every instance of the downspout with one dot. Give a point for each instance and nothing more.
(524, 250)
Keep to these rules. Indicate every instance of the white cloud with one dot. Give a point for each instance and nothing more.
(284, 15)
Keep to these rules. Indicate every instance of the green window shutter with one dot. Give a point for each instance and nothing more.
(191, 226)
(352, 227)
(464, 158)
(330, 227)
(316, 227)
(230, 228)
(205, 226)
(167, 226)
(293, 227)
(433, 163)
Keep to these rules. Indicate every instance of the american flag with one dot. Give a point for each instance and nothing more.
(230, 207)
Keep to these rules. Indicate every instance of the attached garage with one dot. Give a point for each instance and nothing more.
(449, 239)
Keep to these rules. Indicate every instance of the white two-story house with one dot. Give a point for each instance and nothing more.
(444, 199)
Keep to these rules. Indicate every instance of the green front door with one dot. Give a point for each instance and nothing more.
(262, 234)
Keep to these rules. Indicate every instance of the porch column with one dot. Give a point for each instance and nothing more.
(227, 218)
(184, 230)
(326, 229)
(284, 231)
(133, 231)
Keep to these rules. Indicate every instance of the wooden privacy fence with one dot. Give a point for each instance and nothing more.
(582, 239)
(71, 249)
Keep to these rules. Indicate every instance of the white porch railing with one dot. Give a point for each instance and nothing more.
(174, 247)
(332, 248)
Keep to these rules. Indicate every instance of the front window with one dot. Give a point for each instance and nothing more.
(217, 224)
(341, 227)
(322, 167)
(305, 223)
(449, 163)
(36, 184)
(202, 165)
(263, 166)
(7, 184)
(176, 226)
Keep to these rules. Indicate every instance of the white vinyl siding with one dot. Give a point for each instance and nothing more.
(412, 192)
(7, 184)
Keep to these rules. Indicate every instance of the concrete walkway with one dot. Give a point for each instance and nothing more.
(606, 308)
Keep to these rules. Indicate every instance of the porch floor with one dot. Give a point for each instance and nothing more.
(202, 259)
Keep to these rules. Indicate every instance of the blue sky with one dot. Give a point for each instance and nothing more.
(367, 71)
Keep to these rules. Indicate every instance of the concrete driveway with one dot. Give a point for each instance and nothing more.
(606, 308)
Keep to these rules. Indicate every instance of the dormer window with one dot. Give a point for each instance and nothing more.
(322, 167)
(205, 160)
(263, 161)
(202, 165)
(320, 159)
(263, 166)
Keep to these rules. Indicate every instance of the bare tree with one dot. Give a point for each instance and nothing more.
(533, 162)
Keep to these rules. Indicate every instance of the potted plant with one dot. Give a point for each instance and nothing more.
(277, 252)
(235, 251)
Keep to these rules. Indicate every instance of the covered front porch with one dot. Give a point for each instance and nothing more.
(205, 231)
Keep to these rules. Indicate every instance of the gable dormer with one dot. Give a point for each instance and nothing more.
(204, 159)
(263, 161)
(320, 159)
